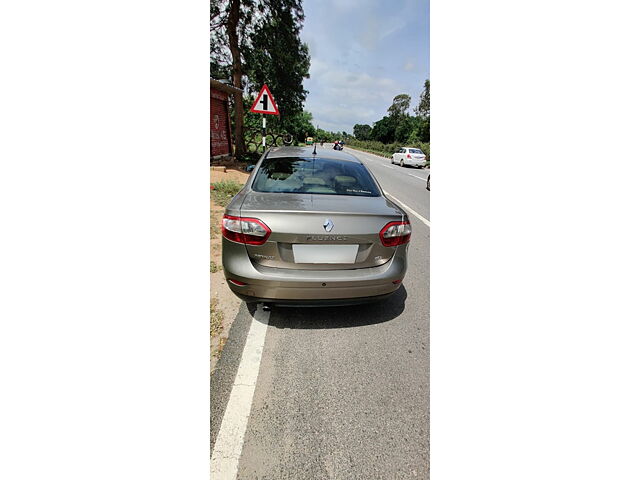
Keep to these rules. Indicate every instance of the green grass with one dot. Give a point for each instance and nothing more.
(370, 150)
(387, 149)
(224, 191)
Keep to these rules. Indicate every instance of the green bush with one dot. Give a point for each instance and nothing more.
(223, 192)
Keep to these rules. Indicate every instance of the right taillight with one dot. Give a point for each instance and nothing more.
(249, 231)
(395, 233)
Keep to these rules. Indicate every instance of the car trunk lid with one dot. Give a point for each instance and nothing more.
(320, 232)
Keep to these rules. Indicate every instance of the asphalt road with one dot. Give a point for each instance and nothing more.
(407, 184)
(340, 393)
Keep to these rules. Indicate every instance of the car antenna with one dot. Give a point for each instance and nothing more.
(314, 149)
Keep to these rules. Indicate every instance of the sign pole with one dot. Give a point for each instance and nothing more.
(264, 133)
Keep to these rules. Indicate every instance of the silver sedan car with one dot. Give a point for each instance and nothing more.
(313, 229)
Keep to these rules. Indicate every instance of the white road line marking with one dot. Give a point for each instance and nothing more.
(416, 176)
(228, 447)
(409, 209)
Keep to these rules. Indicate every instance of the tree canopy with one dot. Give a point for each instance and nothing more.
(276, 56)
(254, 42)
(424, 107)
(399, 126)
(362, 132)
(400, 106)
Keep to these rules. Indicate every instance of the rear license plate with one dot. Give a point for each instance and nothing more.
(325, 253)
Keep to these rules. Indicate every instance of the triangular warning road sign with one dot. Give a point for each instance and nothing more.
(265, 103)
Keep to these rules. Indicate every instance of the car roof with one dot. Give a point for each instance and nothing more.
(307, 152)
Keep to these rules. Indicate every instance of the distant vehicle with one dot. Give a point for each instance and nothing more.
(309, 141)
(313, 229)
(409, 156)
(337, 146)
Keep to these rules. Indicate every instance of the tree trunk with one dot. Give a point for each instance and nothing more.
(232, 32)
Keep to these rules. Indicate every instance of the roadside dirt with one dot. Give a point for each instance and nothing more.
(226, 303)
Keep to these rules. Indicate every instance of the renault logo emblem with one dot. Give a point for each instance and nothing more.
(328, 225)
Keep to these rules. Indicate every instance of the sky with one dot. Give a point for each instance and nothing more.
(363, 53)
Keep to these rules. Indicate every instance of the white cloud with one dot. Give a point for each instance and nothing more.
(355, 86)
(360, 59)
(341, 98)
(409, 66)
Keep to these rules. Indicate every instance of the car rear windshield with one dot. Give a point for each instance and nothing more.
(416, 150)
(314, 175)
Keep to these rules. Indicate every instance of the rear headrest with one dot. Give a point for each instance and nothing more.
(279, 175)
(313, 181)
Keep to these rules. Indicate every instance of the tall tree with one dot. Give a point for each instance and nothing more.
(424, 107)
(423, 110)
(234, 45)
(258, 41)
(400, 106)
(230, 23)
(279, 58)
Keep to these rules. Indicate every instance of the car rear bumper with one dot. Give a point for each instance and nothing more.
(415, 163)
(311, 286)
(335, 302)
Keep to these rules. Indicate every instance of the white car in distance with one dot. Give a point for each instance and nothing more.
(409, 156)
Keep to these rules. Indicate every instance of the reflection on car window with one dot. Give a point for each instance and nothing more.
(415, 150)
(314, 175)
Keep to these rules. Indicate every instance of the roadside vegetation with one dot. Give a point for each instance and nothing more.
(254, 42)
(386, 149)
(395, 130)
(222, 192)
(224, 185)
(399, 126)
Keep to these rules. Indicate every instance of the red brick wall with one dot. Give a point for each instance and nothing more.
(220, 132)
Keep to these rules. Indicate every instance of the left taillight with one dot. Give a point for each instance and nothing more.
(249, 231)
(395, 233)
